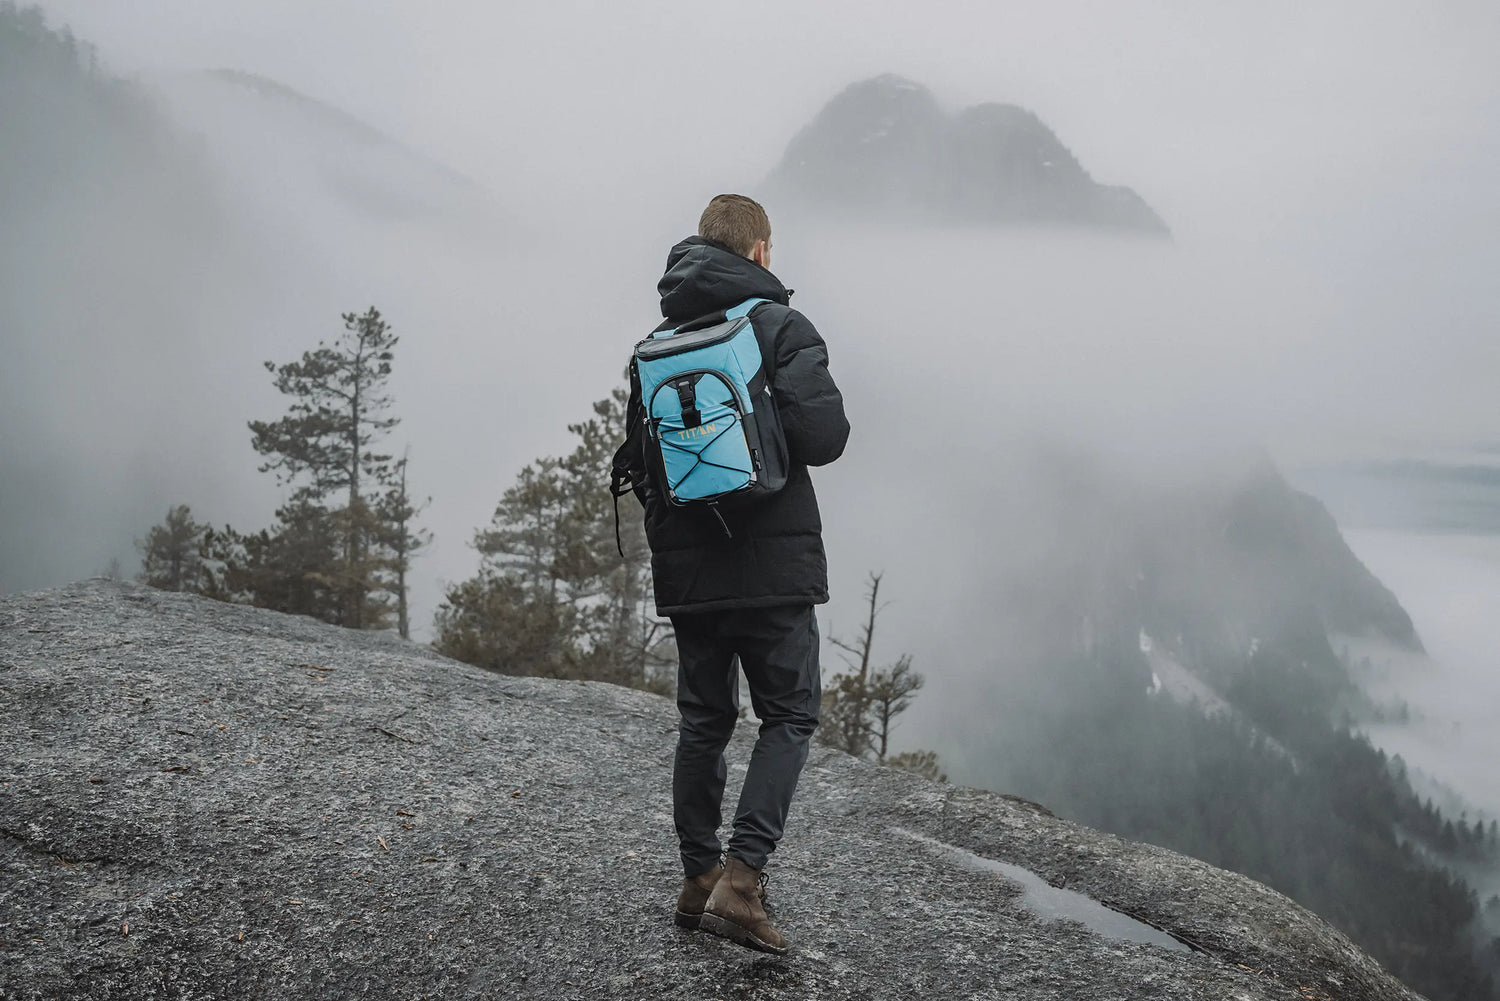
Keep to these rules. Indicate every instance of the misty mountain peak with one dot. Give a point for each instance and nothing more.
(286, 150)
(883, 148)
(883, 110)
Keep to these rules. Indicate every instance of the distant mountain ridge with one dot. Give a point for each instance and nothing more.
(884, 149)
(1180, 674)
(300, 144)
(336, 120)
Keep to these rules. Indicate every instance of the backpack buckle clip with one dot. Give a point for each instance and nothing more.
(687, 396)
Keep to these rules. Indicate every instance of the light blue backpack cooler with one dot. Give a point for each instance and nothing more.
(712, 431)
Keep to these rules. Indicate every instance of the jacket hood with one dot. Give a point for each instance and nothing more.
(704, 277)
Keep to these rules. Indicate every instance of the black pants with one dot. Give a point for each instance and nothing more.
(778, 649)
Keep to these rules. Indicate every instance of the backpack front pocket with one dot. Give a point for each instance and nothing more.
(697, 420)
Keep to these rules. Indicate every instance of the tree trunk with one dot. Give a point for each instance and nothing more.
(400, 551)
(862, 704)
(401, 624)
(354, 598)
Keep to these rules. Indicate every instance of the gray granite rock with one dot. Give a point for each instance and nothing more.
(210, 801)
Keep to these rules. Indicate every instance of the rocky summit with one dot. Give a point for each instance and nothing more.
(201, 800)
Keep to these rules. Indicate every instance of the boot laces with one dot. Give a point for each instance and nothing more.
(760, 882)
(765, 901)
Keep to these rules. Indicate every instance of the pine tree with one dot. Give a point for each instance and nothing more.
(339, 412)
(357, 571)
(860, 705)
(400, 539)
(890, 692)
(283, 567)
(170, 558)
(287, 566)
(923, 763)
(223, 559)
(528, 537)
(553, 595)
(494, 621)
(621, 639)
(846, 723)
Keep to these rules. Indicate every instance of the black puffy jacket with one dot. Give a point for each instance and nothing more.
(775, 555)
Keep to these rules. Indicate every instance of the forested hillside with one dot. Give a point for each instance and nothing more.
(1185, 685)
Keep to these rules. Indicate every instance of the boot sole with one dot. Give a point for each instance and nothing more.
(689, 921)
(738, 934)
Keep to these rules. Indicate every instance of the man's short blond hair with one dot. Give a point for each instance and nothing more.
(736, 222)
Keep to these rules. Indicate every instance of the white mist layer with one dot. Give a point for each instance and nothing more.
(1451, 586)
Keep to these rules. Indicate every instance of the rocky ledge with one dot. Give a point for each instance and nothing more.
(202, 800)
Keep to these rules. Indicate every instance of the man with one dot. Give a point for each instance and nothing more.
(744, 590)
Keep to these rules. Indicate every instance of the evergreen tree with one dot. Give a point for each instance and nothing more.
(495, 621)
(890, 692)
(327, 442)
(529, 536)
(516, 615)
(553, 595)
(284, 567)
(223, 561)
(288, 566)
(170, 558)
(621, 639)
(846, 724)
(860, 705)
(401, 540)
(923, 763)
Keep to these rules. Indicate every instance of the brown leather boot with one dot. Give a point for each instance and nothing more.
(694, 895)
(736, 910)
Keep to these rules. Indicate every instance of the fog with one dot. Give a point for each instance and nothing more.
(1451, 583)
(1327, 175)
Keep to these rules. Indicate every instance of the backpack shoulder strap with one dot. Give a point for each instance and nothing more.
(744, 308)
